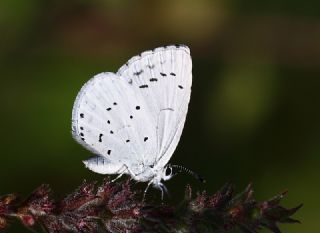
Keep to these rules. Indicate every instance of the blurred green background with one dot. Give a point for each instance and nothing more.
(254, 112)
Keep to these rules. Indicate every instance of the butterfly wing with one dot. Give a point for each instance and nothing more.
(164, 78)
(109, 119)
(135, 117)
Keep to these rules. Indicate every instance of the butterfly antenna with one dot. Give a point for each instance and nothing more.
(188, 171)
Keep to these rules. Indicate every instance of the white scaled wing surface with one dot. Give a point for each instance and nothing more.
(134, 119)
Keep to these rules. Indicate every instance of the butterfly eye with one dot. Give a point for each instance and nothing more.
(168, 171)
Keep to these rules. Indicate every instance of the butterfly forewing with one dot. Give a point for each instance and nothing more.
(164, 78)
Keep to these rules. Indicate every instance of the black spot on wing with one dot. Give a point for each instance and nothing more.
(81, 115)
(131, 116)
(114, 103)
(109, 152)
(108, 109)
(153, 80)
(172, 74)
(111, 132)
(127, 140)
(143, 86)
(81, 134)
(100, 137)
(138, 107)
(81, 128)
(108, 122)
(145, 139)
(163, 74)
(181, 87)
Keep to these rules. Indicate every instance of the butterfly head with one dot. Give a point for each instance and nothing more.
(163, 174)
(167, 173)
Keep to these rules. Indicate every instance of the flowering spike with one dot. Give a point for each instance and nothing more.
(114, 207)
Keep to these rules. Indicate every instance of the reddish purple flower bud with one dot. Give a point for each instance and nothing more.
(82, 195)
(136, 211)
(222, 197)
(236, 213)
(39, 202)
(27, 220)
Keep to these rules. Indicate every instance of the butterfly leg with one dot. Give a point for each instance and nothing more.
(145, 191)
(118, 177)
(121, 171)
(161, 188)
(166, 190)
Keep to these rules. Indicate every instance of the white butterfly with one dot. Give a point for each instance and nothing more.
(133, 119)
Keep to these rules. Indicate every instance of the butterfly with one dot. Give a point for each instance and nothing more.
(133, 119)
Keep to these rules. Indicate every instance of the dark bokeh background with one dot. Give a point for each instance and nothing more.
(254, 112)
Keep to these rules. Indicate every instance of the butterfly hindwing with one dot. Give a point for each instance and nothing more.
(108, 118)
